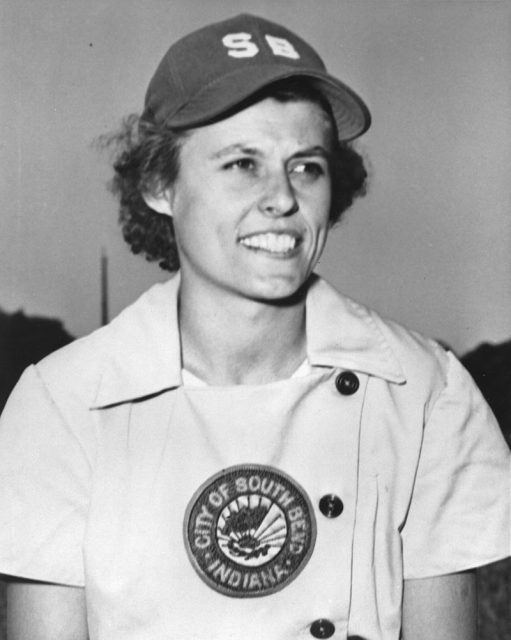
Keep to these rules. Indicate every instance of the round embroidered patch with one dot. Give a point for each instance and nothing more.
(249, 530)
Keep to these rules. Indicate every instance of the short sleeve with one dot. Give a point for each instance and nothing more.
(45, 471)
(459, 516)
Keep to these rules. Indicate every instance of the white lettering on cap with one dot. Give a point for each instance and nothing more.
(239, 45)
(282, 47)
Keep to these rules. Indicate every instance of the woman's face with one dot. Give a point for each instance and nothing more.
(251, 202)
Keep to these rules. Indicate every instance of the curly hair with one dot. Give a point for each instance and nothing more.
(147, 161)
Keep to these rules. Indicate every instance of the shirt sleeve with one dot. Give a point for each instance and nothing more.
(45, 474)
(459, 516)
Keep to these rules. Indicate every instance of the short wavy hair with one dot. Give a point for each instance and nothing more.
(146, 161)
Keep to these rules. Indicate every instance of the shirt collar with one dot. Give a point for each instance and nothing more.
(143, 348)
(144, 352)
(344, 334)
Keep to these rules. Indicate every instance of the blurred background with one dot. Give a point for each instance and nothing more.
(430, 244)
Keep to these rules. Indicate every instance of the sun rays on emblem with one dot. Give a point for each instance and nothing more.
(251, 530)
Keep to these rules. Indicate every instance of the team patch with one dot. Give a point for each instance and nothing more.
(249, 531)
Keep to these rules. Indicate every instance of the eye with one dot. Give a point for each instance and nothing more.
(310, 169)
(242, 164)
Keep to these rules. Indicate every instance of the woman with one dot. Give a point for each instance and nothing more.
(244, 452)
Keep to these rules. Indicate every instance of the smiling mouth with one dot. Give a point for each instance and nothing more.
(276, 243)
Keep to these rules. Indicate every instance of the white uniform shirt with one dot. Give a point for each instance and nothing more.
(287, 510)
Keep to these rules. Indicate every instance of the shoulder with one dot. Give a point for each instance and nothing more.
(355, 335)
(114, 351)
(427, 365)
(77, 367)
(418, 354)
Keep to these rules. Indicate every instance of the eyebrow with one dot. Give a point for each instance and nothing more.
(316, 150)
(234, 148)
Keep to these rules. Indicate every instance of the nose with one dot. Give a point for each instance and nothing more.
(279, 198)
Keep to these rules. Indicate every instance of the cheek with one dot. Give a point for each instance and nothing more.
(318, 198)
(319, 213)
(187, 205)
(200, 224)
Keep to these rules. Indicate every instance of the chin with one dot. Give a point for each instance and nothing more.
(281, 291)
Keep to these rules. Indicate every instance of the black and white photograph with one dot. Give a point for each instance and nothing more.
(255, 320)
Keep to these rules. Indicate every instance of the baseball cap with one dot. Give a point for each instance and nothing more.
(212, 70)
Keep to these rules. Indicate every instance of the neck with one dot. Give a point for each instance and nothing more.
(234, 340)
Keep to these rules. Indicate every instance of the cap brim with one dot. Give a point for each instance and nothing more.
(351, 114)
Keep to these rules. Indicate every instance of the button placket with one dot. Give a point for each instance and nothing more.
(335, 492)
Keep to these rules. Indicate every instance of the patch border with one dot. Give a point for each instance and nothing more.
(218, 588)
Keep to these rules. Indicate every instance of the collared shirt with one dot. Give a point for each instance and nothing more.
(270, 511)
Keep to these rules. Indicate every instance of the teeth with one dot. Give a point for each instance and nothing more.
(272, 242)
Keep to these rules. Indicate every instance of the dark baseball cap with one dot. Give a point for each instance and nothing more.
(209, 72)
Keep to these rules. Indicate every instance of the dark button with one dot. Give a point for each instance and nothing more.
(322, 629)
(347, 383)
(331, 505)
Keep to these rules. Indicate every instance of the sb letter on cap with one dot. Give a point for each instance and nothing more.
(240, 45)
(282, 47)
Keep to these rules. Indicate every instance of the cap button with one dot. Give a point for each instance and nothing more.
(331, 506)
(322, 628)
(347, 383)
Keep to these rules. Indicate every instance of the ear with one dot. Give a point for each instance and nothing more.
(159, 202)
